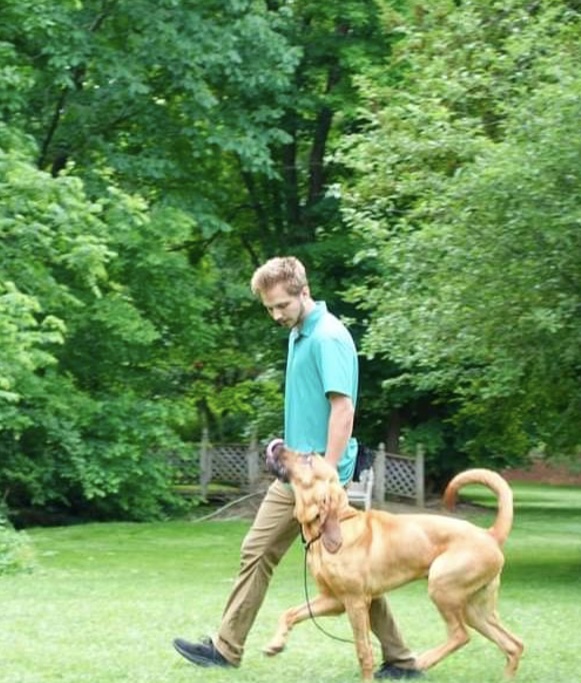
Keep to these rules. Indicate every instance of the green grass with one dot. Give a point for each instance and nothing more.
(106, 601)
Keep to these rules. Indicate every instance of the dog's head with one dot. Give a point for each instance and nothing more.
(319, 496)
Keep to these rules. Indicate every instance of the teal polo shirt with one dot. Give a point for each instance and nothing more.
(322, 358)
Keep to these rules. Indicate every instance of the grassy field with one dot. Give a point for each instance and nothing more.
(106, 601)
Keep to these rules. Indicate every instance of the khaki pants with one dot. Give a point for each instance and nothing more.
(273, 531)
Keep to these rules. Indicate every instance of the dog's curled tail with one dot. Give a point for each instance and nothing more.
(503, 523)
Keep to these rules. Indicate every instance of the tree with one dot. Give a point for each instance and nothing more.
(158, 94)
(470, 218)
(137, 115)
(296, 207)
(80, 424)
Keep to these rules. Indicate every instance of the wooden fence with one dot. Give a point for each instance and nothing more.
(398, 475)
(242, 465)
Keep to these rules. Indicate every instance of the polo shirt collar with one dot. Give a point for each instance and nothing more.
(310, 322)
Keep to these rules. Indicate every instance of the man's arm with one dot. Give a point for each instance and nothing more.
(340, 426)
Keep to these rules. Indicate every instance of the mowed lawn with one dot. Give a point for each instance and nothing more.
(106, 600)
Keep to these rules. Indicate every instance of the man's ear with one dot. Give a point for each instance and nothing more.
(329, 516)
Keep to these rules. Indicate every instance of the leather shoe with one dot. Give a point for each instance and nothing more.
(202, 654)
(396, 673)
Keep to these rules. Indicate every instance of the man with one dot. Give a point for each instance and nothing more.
(320, 396)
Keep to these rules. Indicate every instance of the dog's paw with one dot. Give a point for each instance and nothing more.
(275, 647)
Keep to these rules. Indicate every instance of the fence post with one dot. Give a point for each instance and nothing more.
(205, 462)
(253, 460)
(379, 474)
(420, 467)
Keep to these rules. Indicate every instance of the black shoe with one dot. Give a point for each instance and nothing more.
(202, 654)
(396, 673)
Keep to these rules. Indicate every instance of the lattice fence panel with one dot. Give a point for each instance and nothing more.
(185, 468)
(229, 463)
(243, 465)
(400, 476)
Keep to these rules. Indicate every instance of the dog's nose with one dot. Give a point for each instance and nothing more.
(271, 446)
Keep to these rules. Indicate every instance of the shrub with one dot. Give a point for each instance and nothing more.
(16, 551)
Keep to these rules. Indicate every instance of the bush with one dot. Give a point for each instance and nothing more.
(16, 551)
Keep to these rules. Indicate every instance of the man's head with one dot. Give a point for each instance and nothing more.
(283, 288)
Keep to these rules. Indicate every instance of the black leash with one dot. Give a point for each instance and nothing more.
(307, 546)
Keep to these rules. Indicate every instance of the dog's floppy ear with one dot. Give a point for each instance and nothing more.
(329, 518)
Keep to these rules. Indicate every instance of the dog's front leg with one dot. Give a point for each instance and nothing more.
(358, 612)
(320, 606)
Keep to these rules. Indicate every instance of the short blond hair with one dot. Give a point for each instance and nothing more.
(286, 270)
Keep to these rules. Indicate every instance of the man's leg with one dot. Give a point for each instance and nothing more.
(398, 660)
(273, 531)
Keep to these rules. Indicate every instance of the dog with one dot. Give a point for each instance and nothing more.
(355, 556)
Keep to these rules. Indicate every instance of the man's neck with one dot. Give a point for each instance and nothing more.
(308, 307)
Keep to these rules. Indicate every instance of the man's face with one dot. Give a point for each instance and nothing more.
(286, 309)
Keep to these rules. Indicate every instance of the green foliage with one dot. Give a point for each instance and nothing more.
(16, 550)
(82, 426)
(141, 120)
(152, 154)
(293, 208)
(470, 217)
(161, 95)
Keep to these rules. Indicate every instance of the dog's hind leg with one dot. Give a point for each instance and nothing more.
(320, 606)
(457, 636)
(481, 614)
(449, 595)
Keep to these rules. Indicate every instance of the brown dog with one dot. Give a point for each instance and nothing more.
(355, 556)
